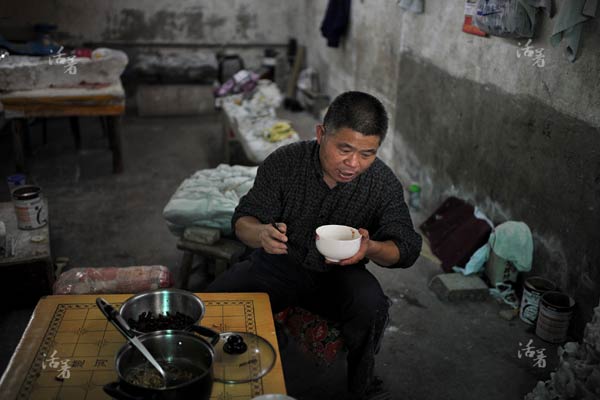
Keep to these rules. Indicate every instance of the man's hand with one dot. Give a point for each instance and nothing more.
(272, 239)
(362, 251)
(383, 253)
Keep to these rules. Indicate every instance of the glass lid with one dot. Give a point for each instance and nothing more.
(242, 357)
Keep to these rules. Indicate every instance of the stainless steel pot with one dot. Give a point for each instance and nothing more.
(165, 301)
(183, 350)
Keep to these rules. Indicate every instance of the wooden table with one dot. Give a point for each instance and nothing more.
(106, 102)
(71, 331)
(30, 270)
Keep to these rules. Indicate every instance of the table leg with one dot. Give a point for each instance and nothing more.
(226, 138)
(45, 131)
(18, 132)
(103, 125)
(186, 269)
(114, 139)
(75, 131)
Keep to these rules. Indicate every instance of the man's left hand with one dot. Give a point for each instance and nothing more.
(362, 251)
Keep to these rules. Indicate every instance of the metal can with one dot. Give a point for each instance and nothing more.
(533, 290)
(29, 207)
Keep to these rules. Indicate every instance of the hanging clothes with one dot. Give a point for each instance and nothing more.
(570, 19)
(335, 23)
(414, 6)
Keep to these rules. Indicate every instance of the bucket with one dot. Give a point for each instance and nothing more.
(553, 319)
(500, 270)
(533, 289)
(29, 207)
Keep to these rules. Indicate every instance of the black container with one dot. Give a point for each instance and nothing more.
(183, 349)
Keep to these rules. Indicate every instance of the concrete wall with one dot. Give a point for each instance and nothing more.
(471, 119)
(244, 26)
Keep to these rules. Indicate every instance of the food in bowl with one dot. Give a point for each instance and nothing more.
(147, 376)
(148, 322)
(337, 242)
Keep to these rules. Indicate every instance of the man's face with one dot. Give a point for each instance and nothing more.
(345, 154)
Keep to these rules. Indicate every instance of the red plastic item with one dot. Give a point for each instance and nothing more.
(83, 52)
(113, 280)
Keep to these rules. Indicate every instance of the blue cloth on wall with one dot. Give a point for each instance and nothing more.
(336, 21)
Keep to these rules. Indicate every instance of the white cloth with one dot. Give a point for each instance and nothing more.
(208, 198)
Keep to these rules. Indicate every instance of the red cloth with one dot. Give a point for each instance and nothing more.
(317, 336)
(455, 233)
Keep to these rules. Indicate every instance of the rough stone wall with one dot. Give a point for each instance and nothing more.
(237, 24)
(471, 119)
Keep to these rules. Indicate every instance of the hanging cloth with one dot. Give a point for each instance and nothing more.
(571, 16)
(414, 6)
(335, 23)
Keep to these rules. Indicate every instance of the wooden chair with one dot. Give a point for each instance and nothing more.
(207, 243)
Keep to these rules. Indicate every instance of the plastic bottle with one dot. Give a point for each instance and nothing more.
(414, 199)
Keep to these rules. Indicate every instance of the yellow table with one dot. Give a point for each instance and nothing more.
(67, 337)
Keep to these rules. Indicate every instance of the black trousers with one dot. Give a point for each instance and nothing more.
(350, 295)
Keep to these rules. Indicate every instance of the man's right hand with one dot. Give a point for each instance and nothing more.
(273, 240)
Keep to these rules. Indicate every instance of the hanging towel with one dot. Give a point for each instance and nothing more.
(571, 16)
(336, 20)
(532, 6)
(415, 6)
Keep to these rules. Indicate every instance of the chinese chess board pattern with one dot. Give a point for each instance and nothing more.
(77, 355)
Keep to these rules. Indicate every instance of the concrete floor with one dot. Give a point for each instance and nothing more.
(431, 350)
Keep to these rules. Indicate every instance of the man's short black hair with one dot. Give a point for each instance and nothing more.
(358, 111)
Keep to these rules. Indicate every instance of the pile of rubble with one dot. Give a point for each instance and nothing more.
(578, 373)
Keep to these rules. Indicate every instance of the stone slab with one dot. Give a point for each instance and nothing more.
(30, 73)
(456, 287)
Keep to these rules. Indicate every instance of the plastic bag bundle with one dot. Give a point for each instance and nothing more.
(113, 280)
(506, 18)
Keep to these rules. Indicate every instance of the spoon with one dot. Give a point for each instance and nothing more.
(113, 316)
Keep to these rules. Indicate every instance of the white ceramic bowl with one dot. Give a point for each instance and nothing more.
(337, 242)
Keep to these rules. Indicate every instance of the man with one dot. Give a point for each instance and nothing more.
(336, 179)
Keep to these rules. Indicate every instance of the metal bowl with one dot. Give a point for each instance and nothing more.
(162, 301)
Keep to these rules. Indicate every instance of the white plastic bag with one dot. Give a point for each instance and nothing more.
(506, 18)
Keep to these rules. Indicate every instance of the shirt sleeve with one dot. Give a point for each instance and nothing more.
(394, 223)
(263, 201)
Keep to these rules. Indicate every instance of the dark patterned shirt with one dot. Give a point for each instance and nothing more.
(289, 188)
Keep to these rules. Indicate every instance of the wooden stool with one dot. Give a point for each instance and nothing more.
(208, 243)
